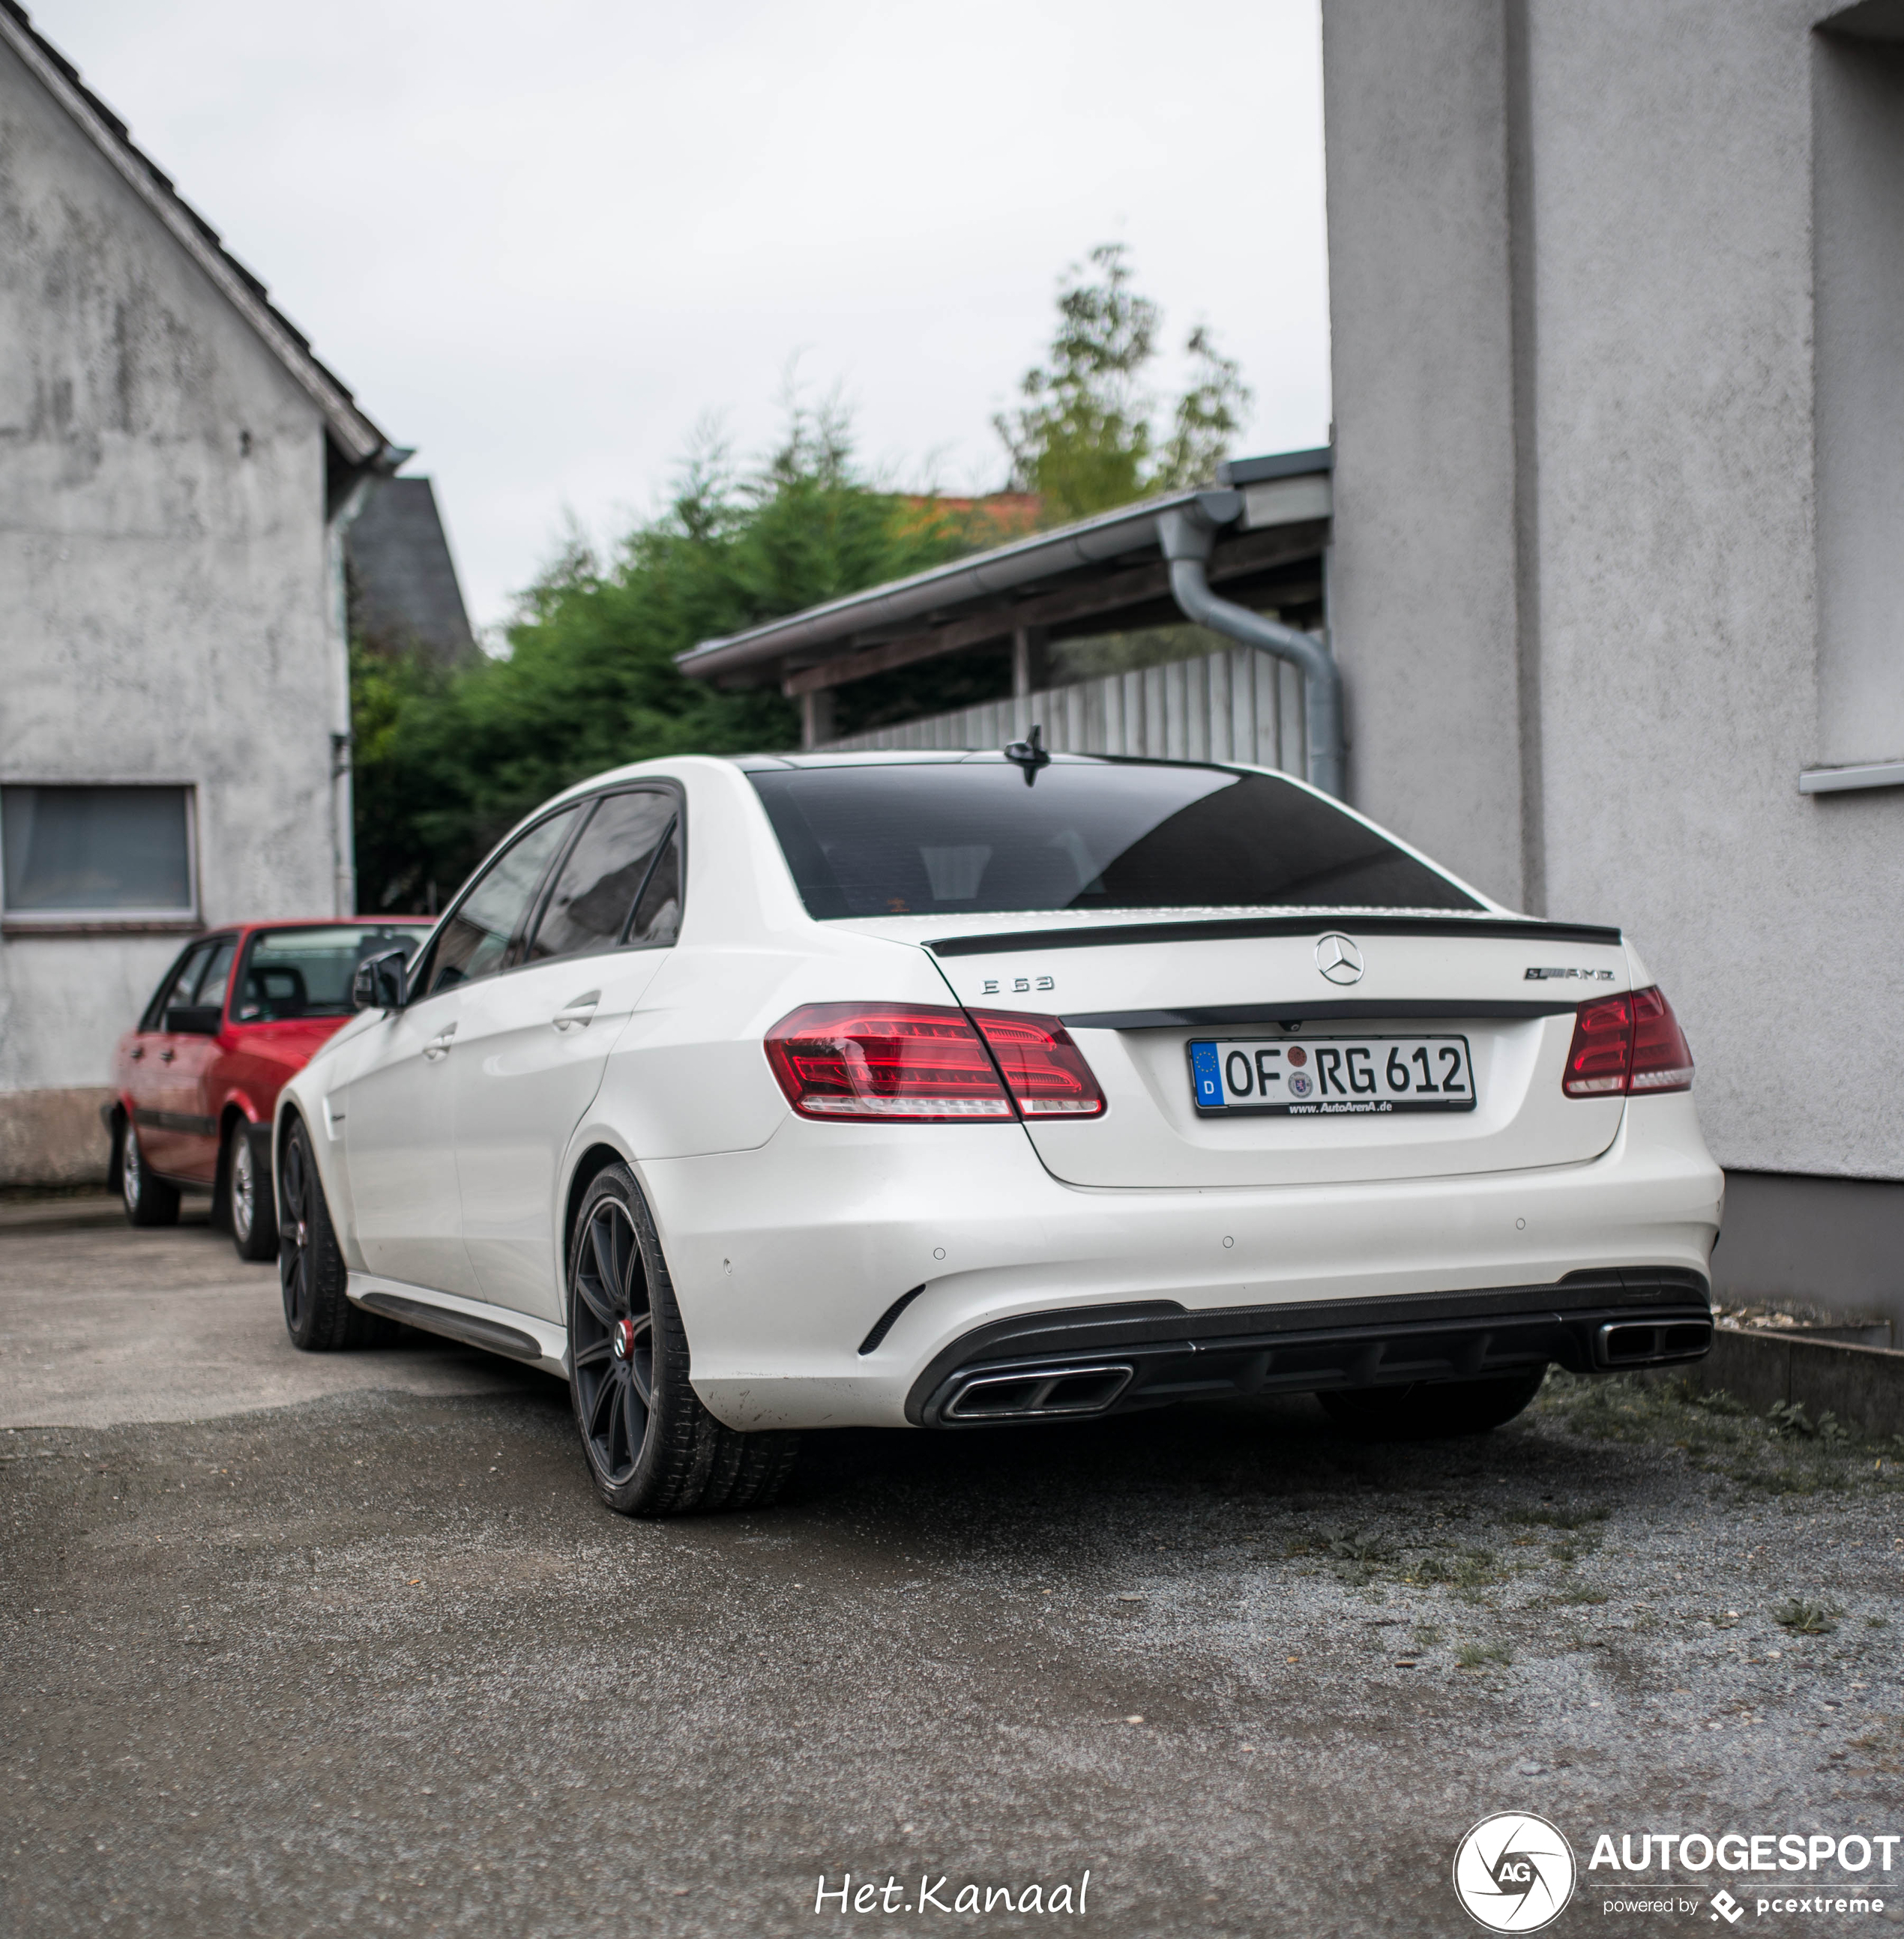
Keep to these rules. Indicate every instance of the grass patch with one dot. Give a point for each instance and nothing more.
(1784, 1452)
(1805, 1618)
(1478, 1655)
(1568, 1519)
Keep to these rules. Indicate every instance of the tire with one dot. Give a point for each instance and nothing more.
(311, 1270)
(652, 1448)
(1432, 1409)
(149, 1200)
(251, 1202)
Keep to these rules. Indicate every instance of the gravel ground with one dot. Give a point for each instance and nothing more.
(377, 1662)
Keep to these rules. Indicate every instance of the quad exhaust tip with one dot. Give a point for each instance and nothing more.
(1040, 1393)
(1626, 1343)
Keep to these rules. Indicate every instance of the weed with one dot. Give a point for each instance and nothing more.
(1427, 1635)
(1562, 1518)
(1790, 1422)
(1715, 1400)
(1462, 1568)
(1877, 1622)
(1478, 1655)
(1805, 1618)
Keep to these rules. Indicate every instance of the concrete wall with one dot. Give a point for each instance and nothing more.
(167, 609)
(1415, 100)
(1657, 642)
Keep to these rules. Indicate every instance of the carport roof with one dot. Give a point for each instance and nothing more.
(1269, 512)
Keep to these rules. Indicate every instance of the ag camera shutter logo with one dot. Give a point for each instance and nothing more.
(1514, 1872)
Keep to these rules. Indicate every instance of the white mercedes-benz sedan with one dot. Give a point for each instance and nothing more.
(944, 1089)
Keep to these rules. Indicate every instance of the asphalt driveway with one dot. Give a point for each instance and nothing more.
(304, 1646)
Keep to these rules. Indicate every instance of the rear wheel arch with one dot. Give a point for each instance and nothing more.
(593, 1163)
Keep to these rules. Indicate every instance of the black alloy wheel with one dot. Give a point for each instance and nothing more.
(311, 1270)
(652, 1448)
(612, 1343)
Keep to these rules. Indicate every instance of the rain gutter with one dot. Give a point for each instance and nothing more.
(1186, 537)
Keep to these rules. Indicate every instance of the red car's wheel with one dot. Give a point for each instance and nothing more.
(149, 1200)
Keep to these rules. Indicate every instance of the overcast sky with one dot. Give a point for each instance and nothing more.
(540, 242)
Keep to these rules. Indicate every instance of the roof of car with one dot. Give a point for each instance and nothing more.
(321, 922)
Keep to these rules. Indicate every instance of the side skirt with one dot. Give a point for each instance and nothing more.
(496, 1329)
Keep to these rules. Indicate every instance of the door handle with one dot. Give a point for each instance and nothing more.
(167, 1056)
(139, 1054)
(439, 1044)
(581, 1011)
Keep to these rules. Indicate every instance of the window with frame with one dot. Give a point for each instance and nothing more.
(180, 981)
(473, 941)
(618, 885)
(96, 854)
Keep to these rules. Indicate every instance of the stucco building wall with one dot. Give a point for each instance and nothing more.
(1636, 190)
(170, 601)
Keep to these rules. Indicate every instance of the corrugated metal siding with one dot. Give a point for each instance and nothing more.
(1236, 706)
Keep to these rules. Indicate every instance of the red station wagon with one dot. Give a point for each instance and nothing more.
(198, 1079)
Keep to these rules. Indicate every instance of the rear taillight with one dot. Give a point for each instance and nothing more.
(1627, 1044)
(1662, 1059)
(1045, 1072)
(926, 1063)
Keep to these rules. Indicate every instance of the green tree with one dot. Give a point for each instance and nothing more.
(1083, 440)
(446, 762)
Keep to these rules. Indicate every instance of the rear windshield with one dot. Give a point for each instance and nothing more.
(971, 838)
(307, 972)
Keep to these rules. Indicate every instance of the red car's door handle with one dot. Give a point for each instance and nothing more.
(167, 1056)
(138, 1053)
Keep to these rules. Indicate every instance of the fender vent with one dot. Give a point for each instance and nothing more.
(884, 1323)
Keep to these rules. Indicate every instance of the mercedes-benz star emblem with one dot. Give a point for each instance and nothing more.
(1339, 960)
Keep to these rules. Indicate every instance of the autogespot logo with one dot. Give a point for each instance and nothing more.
(1514, 1872)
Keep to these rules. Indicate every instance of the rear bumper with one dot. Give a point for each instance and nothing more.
(1053, 1366)
(786, 1260)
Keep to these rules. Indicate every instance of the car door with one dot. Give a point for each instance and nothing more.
(399, 1125)
(154, 1055)
(534, 1041)
(191, 1126)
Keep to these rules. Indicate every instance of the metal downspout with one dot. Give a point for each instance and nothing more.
(1187, 541)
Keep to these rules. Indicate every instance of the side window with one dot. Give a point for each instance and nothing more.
(657, 915)
(472, 942)
(594, 897)
(154, 1012)
(210, 988)
(178, 987)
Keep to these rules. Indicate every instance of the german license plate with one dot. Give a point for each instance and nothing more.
(1331, 1076)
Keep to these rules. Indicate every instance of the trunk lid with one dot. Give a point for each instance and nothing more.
(1135, 994)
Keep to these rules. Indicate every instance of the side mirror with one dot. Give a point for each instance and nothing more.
(381, 982)
(193, 1019)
